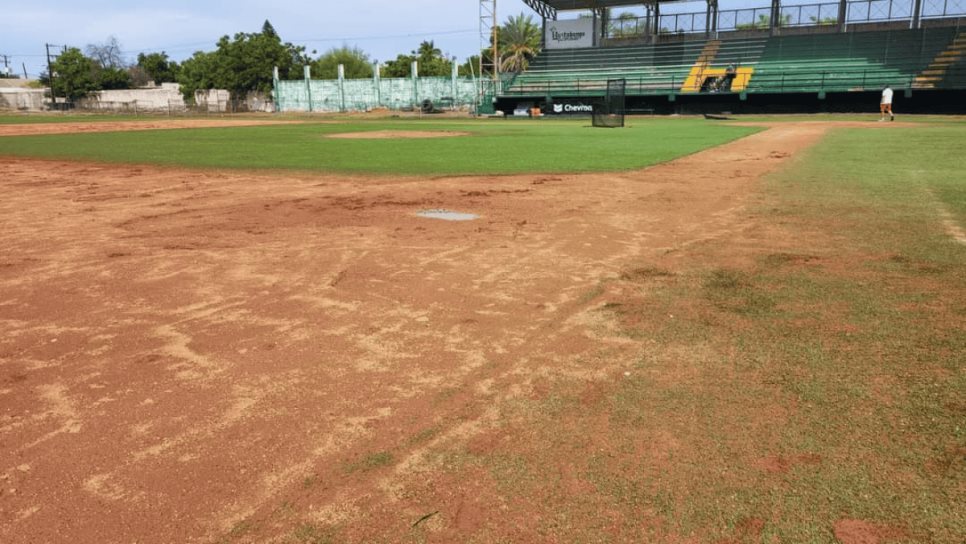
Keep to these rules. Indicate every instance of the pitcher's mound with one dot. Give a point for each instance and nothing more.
(393, 134)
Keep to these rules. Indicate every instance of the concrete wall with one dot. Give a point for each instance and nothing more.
(21, 99)
(165, 98)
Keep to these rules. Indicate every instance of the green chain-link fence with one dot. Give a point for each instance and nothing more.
(366, 94)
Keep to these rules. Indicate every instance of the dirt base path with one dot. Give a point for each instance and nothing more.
(188, 355)
(122, 126)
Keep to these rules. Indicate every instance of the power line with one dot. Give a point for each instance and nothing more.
(390, 37)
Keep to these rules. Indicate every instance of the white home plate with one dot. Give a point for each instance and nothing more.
(447, 215)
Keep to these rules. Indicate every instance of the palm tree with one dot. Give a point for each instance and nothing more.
(519, 42)
(428, 50)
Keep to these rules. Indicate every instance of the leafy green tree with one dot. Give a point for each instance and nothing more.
(431, 60)
(112, 78)
(519, 43)
(471, 67)
(400, 67)
(74, 75)
(243, 63)
(199, 72)
(356, 62)
(158, 67)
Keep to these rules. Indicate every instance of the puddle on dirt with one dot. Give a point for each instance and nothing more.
(447, 215)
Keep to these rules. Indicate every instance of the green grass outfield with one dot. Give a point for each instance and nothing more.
(493, 146)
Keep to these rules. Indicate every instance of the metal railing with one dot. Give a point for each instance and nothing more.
(819, 14)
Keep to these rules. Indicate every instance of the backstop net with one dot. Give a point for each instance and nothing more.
(609, 113)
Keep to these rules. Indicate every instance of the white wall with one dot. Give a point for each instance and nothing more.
(164, 99)
(20, 99)
(167, 97)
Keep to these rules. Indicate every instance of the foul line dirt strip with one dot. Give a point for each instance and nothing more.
(122, 126)
(183, 349)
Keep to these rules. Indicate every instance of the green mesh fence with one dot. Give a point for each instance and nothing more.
(365, 94)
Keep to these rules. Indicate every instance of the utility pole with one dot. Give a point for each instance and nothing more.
(50, 78)
(6, 65)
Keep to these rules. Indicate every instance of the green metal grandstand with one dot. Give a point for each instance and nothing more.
(847, 46)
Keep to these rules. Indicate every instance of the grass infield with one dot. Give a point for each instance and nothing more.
(493, 147)
(840, 348)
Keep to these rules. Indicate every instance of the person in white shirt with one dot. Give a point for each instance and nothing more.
(885, 105)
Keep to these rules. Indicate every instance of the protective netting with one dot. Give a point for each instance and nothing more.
(609, 112)
(368, 94)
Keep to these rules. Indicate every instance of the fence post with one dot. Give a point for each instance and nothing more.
(415, 72)
(307, 73)
(275, 92)
(342, 88)
(456, 73)
(375, 82)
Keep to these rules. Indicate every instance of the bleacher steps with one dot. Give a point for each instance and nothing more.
(696, 76)
(936, 71)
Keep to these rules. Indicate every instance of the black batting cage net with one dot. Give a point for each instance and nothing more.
(609, 113)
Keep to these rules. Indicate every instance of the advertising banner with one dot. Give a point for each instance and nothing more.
(570, 34)
(570, 107)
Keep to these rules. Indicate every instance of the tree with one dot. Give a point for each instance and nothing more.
(431, 61)
(764, 22)
(74, 75)
(355, 60)
(400, 67)
(471, 67)
(107, 54)
(625, 25)
(199, 72)
(428, 50)
(158, 67)
(112, 78)
(242, 64)
(520, 42)
(823, 20)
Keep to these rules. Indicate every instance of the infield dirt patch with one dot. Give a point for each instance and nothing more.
(121, 126)
(198, 355)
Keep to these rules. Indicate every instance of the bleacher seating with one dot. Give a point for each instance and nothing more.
(854, 61)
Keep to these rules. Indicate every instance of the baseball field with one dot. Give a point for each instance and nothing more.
(241, 330)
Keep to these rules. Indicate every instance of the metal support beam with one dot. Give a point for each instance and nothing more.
(774, 21)
(917, 14)
(657, 19)
(707, 21)
(714, 17)
(545, 11)
(843, 14)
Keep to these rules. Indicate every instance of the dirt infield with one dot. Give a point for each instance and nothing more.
(191, 355)
(119, 126)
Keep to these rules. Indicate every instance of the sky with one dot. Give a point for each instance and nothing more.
(382, 28)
